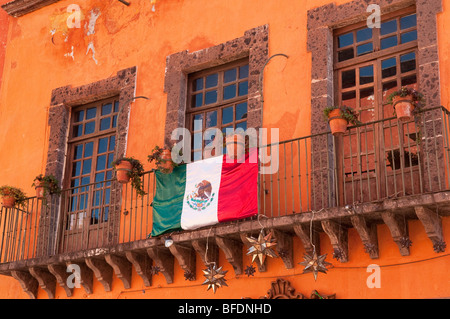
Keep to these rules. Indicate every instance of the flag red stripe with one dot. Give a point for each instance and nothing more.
(238, 194)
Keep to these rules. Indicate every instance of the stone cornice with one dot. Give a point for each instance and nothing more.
(18, 8)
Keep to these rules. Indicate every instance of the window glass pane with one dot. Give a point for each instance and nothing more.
(198, 84)
(229, 92)
(408, 22)
(349, 99)
(211, 119)
(211, 80)
(89, 128)
(227, 115)
(79, 116)
(388, 27)
(241, 111)
(364, 49)
(77, 130)
(116, 106)
(88, 149)
(75, 183)
(76, 169)
(243, 72)
(99, 177)
(106, 109)
(345, 54)
(229, 76)
(114, 121)
(101, 162)
(388, 68)
(242, 125)
(102, 145)
(410, 81)
(345, 40)
(409, 36)
(78, 152)
(110, 160)
(108, 177)
(87, 166)
(366, 74)
(408, 62)
(363, 35)
(210, 97)
(243, 88)
(85, 181)
(90, 113)
(367, 98)
(105, 124)
(348, 79)
(198, 122)
(198, 99)
(388, 42)
(198, 140)
(112, 143)
(197, 156)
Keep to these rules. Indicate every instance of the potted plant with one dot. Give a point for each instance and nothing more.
(12, 196)
(163, 159)
(405, 101)
(46, 184)
(339, 117)
(129, 168)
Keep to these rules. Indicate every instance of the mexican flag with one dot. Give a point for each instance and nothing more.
(205, 193)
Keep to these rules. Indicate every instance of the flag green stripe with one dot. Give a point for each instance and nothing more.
(168, 200)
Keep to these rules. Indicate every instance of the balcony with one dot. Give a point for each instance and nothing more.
(380, 172)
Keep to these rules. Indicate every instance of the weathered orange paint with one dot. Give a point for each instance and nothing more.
(136, 36)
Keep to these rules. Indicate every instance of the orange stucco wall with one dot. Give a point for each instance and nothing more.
(4, 20)
(136, 36)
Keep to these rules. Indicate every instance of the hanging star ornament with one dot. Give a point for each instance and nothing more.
(315, 264)
(215, 277)
(262, 247)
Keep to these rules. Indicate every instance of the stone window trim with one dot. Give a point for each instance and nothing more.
(253, 45)
(65, 98)
(323, 20)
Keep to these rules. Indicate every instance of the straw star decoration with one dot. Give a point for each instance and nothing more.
(315, 264)
(261, 247)
(215, 277)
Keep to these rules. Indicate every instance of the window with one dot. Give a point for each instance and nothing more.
(217, 98)
(92, 141)
(369, 65)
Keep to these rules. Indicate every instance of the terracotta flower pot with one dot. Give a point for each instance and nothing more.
(8, 201)
(166, 165)
(403, 107)
(235, 145)
(39, 190)
(122, 170)
(338, 125)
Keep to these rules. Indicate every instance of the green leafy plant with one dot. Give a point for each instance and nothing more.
(347, 113)
(156, 156)
(137, 170)
(48, 182)
(418, 99)
(17, 193)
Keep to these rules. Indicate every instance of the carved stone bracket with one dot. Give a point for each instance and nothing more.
(339, 238)
(61, 275)
(164, 260)
(303, 232)
(141, 263)
(282, 289)
(102, 271)
(233, 252)
(46, 280)
(433, 227)
(285, 248)
(28, 283)
(208, 252)
(86, 276)
(122, 268)
(368, 234)
(261, 267)
(398, 229)
(185, 256)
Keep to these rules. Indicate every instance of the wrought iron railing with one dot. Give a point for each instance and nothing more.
(371, 162)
